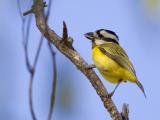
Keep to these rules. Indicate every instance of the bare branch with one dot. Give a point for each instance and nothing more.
(38, 52)
(28, 12)
(32, 10)
(125, 112)
(53, 94)
(77, 60)
(68, 41)
(65, 32)
(31, 95)
(31, 70)
(24, 39)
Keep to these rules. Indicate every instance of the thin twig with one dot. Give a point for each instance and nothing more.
(25, 42)
(31, 70)
(77, 60)
(42, 37)
(38, 51)
(31, 95)
(35, 63)
(53, 94)
(25, 39)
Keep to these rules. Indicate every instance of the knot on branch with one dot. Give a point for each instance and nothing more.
(32, 10)
(68, 41)
(125, 112)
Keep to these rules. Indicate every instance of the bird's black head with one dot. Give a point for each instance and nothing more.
(102, 36)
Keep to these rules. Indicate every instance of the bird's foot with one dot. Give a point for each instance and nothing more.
(110, 94)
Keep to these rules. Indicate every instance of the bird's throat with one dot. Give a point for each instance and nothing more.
(93, 45)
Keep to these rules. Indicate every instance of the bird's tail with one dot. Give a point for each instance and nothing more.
(141, 87)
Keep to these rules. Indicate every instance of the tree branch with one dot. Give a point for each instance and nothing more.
(125, 112)
(26, 23)
(74, 56)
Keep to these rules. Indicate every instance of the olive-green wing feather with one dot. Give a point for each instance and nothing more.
(117, 53)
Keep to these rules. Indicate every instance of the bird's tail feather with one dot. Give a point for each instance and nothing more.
(141, 87)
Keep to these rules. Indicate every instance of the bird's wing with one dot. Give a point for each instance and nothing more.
(116, 53)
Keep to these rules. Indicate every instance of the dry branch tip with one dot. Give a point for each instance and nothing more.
(125, 112)
(68, 41)
(28, 12)
(65, 32)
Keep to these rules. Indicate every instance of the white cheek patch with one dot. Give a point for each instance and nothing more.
(108, 35)
(99, 42)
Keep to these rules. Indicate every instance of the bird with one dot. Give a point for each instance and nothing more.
(111, 59)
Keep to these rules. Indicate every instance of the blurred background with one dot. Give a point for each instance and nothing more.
(137, 23)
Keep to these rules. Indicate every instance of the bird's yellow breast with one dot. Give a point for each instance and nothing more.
(109, 69)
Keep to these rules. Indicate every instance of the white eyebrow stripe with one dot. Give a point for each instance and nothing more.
(108, 35)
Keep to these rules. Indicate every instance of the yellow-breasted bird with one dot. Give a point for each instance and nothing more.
(111, 60)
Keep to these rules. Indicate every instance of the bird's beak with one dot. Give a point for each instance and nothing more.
(89, 35)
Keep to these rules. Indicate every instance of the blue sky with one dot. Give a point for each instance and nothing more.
(136, 23)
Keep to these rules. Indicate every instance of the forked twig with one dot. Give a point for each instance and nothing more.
(25, 38)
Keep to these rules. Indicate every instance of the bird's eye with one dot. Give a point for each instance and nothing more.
(100, 36)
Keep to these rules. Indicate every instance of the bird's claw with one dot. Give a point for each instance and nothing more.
(110, 94)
